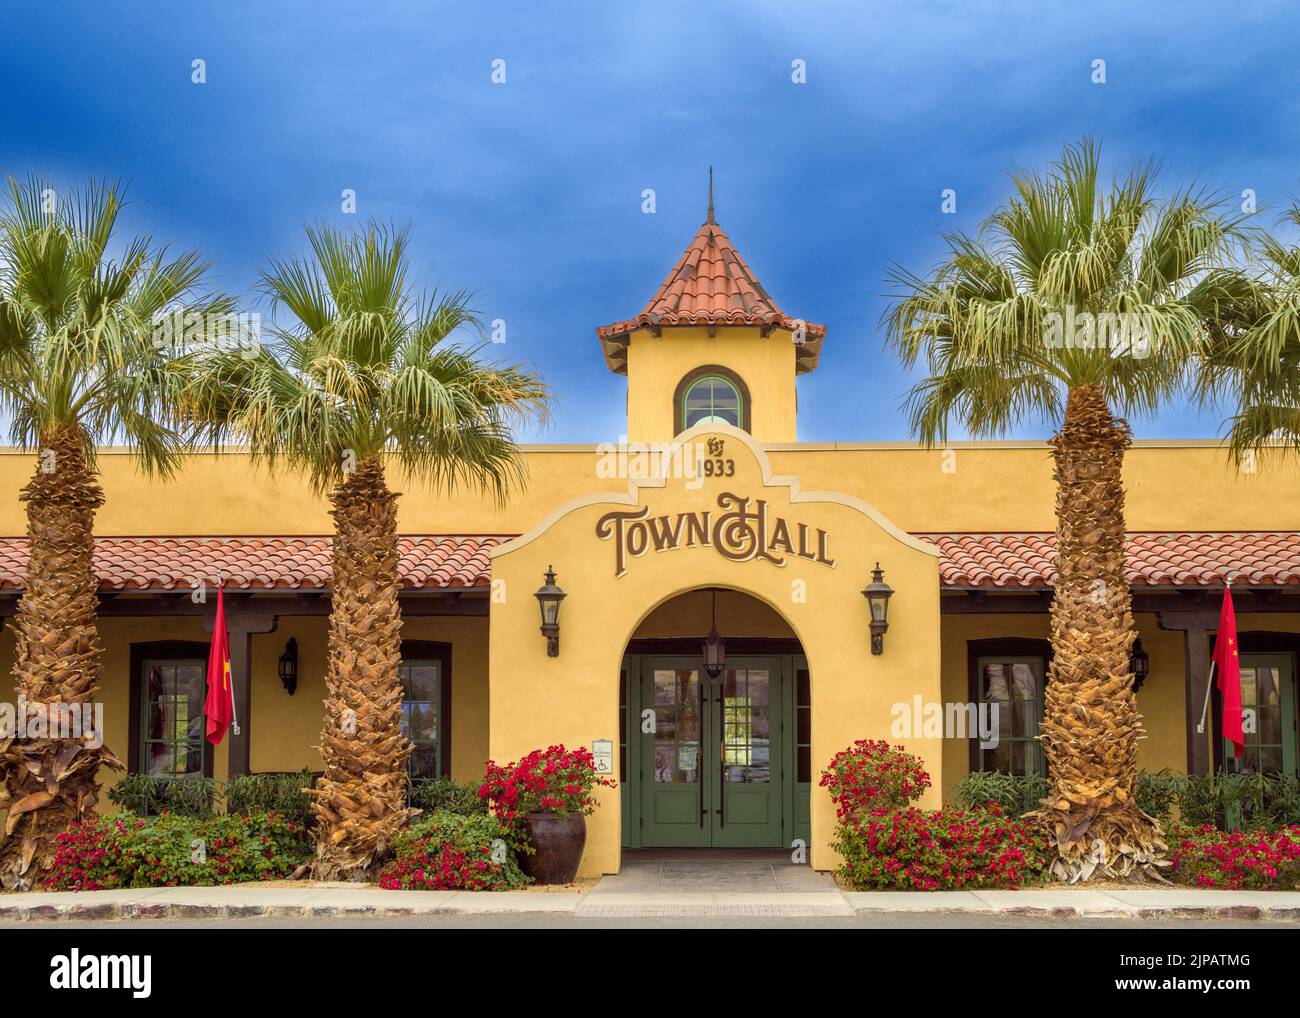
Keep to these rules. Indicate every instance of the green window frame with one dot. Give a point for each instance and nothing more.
(426, 708)
(1267, 689)
(712, 399)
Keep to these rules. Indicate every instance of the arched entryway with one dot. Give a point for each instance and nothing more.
(718, 761)
(624, 562)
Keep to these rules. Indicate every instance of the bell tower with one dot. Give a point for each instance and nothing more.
(711, 346)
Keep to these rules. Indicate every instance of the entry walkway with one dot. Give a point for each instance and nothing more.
(713, 882)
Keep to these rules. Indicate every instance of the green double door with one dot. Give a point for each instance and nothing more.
(710, 752)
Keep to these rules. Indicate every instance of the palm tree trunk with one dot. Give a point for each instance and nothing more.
(49, 782)
(360, 802)
(1091, 725)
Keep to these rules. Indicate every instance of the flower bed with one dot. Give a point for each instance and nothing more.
(939, 850)
(453, 852)
(887, 844)
(1235, 860)
(176, 851)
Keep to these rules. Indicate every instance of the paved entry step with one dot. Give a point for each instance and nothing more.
(698, 884)
(717, 908)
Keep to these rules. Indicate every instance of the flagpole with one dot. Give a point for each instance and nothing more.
(234, 713)
(1209, 684)
(1209, 681)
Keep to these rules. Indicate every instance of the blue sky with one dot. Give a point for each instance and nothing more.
(529, 192)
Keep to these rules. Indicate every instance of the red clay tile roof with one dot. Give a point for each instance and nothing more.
(258, 563)
(711, 285)
(1154, 559)
(989, 561)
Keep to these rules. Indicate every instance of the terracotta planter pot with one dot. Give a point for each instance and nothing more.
(559, 842)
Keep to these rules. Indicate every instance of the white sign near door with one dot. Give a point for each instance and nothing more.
(602, 751)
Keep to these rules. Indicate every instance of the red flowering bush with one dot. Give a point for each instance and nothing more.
(939, 850)
(887, 844)
(175, 851)
(871, 774)
(1235, 860)
(453, 852)
(553, 780)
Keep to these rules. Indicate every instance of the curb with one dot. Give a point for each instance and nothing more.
(1239, 912)
(181, 910)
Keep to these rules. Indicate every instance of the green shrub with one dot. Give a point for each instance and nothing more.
(1159, 794)
(1224, 800)
(1014, 794)
(447, 851)
(176, 851)
(444, 795)
(272, 793)
(147, 795)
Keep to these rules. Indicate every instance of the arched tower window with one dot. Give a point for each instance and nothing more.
(711, 395)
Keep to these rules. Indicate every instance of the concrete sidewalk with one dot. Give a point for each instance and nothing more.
(805, 896)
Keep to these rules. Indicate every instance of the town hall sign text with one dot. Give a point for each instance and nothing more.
(738, 533)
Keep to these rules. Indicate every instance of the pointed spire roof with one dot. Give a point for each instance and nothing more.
(711, 284)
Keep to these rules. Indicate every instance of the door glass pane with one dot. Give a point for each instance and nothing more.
(1261, 703)
(173, 723)
(1013, 686)
(746, 726)
(803, 725)
(421, 721)
(677, 726)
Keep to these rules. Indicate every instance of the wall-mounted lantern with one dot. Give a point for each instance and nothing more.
(1139, 663)
(549, 597)
(715, 647)
(289, 666)
(878, 593)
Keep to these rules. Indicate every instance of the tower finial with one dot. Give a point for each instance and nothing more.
(710, 218)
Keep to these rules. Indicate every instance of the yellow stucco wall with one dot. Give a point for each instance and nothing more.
(655, 365)
(997, 487)
(573, 698)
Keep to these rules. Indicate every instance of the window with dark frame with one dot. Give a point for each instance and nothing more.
(1009, 675)
(426, 708)
(168, 690)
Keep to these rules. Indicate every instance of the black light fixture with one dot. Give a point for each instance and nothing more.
(1139, 664)
(715, 647)
(878, 593)
(549, 597)
(289, 666)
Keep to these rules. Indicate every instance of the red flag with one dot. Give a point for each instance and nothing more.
(219, 706)
(1229, 674)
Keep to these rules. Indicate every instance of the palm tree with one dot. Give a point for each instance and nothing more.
(1257, 360)
(1077, 302)
(365, 372)
(79, 362)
